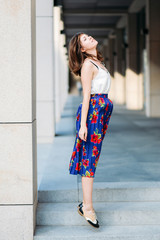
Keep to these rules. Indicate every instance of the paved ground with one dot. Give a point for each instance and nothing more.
(130, 150)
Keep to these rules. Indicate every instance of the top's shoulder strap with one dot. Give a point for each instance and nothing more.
(94, 63)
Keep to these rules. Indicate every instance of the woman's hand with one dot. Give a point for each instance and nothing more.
(83, 133)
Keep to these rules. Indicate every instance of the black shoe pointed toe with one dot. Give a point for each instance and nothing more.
(96, 225)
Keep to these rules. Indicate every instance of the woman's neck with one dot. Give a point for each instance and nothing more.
(93, 52)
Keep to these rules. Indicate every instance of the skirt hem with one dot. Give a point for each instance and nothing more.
(83, 175)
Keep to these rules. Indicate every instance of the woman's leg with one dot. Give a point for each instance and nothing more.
(87, 186)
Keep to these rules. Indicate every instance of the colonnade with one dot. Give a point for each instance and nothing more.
(132, 57)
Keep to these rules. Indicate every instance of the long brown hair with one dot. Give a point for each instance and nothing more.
(77, 57)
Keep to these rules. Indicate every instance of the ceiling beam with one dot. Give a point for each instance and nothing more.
(100, 40)
(93, 14)
(96, 35)
(136, 6)
(97, 38)
(101, 27)
(95, 11)
(122, 23)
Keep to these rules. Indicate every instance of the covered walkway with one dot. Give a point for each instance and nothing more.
(37, 119)
(130, 151)
(126, 192)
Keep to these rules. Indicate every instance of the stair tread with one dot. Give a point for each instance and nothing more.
(100, 206)
(109, 185)
(103, 231)
(104, 191)
(125, 185)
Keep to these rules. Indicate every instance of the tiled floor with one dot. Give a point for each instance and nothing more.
(130, 149)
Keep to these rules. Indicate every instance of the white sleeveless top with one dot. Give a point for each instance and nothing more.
(101, 83)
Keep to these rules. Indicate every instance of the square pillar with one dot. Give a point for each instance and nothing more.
(153, 56)
(57, 62)
(119, 76)
(134, 81)
(18, 144)
(111, 67)
(60, 63)
(45, 72)
(64, 66)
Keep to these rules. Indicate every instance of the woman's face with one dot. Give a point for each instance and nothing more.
(87, 42)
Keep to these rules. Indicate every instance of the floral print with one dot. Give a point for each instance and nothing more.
(85, 155)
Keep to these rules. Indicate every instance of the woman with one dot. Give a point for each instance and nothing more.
(92, 117)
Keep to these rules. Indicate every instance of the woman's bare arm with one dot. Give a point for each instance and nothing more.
(86, 79)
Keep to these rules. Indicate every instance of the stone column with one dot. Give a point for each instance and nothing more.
(103, 49)
(111, 44)
(119, 76)
(60, 64)
(153, 56)
(63, 68)
(45, 70)
(66, 76)
(18, 145)
(106, 53)
(134, 81)
(57, 62)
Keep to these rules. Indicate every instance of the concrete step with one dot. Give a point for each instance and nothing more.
(145, 232)
(106, 191)
(108, 213)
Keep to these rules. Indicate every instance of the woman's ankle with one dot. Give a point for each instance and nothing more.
(88, 207)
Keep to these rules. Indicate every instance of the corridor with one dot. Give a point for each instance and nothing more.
(38, 196)
(126, 188)
(130, 150)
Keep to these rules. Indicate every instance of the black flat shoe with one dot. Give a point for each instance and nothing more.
(91, 218)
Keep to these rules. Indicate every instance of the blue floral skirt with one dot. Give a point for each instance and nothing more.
(85, 154)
